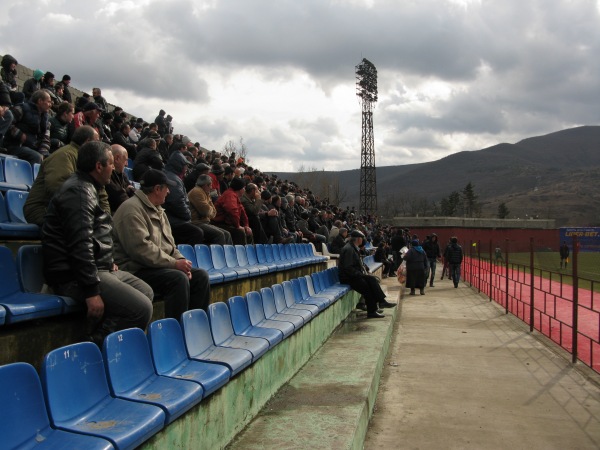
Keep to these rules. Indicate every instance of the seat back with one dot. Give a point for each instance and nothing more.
(260, 253)
(309, 285)
(289, 255)
(218, 256)
(303, 287)
(316, 282)
(15, 200)
(74, 380)
(238, 310)
(9, 279)
(166, 344)
(268, 301)
(3, 211)
(2, 179)
(288, 293)
(279, 297)
(298, 292)
(269, 253)
(251, 255)
(255, 307)
(230, 256)
(127, 360)
(220, 322)
(22, 399)
(36, 170)
(129, 172)
(189, 253)
(295, 252)
(204, 257)
(30, 267)
(18, 171)
(277, 256)
(196, 332)
(242, 255)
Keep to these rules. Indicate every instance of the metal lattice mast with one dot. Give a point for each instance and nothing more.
(366, 90)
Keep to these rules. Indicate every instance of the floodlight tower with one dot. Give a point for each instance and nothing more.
(366, 90)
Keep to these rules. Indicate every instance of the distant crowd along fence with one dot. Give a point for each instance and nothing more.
(558, 297)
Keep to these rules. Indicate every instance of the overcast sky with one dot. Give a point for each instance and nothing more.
(453, 74)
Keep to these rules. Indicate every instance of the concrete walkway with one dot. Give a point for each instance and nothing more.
(461, 374)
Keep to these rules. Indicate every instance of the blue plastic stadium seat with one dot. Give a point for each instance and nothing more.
(129, 172)
(321, 287)
(30, 264)
(19, 305)
(130, 164)
(223, 335)
(256, 312)
(306, 281)
(200, 345)
(302, 296)
(290, 299)
(204, 261)
(12, 229)
(282, 307)
(25, 423)
(233, 264)
(287, 255)
(242, 256)
(171, 360)
(271, 310)
(189, 253)
(36, 170)
(78, 399)
(220, 264)
(278, 259)
(261, 256)
(18, 175)
(240, 319)
(281, 265)
(131, 376)
(328, 280)
(15, 200)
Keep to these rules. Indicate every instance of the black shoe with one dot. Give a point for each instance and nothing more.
(431, 285)
(380, 311)
(455, 285)
(411, 293)
(375, 315)
(386, 304)
(361, 306)
(422, 291)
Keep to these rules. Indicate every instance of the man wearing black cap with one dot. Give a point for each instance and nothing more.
(77, 248)
(144, 245)
(352, 272)
(89, 116)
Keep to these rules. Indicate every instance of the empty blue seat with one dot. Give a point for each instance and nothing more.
(30, 266)
(223, 335)
(256, 311)
(278, 259)
(290, 299)
(271, 312)
(129, 172)
(17, 175)
(287, 255)
(171, 360)
(281, 265)
(19, 305)
(242, 256)
(188, 253)
(15, 229)
(15, 200)
(204, 261)
(78, 399)
(282, 307)
(131, 376)
(233, 264)
(307, 283)
(25, 423)
(320, 286)
(301, 295)
(261, 256)
(200, 345)
(240, 319)
(220, 264)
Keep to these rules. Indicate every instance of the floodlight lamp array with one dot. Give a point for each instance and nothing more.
(366, 81)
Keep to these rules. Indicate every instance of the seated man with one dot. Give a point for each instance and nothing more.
(352, 272)
(120, 188)
(203, 209)
(252, 203)
(54, 171)
(145, 246)
(29, 135)
(231, 215)
(77, 251)
(339, 241)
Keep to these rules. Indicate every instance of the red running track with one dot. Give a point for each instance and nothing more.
(552, 305)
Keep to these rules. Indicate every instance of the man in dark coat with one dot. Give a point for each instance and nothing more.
(454, 255)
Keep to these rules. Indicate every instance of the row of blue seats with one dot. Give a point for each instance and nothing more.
(16, 174)
(22, 280)
(373, 265)
(120, 397)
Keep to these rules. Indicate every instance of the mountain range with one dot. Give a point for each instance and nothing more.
(554, 176)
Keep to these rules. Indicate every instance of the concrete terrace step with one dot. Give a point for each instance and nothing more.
(329, 402)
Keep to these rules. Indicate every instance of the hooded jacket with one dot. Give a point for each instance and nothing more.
(177, 204)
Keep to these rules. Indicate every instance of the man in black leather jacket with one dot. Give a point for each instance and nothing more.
(78, 250)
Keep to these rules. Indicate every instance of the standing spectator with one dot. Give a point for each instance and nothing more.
(231, 215)
(77, 250)
(29, 134)
(352, 272)
(8, 73)
(6, 117)
(60, 130)
(101, 101)
(145, 246)
(416, 265)
(119, 188)
(33, 84)
(432, 250)
(161, 122)
(66, 80)
(203, 210)
(564, 255)
(454, 255)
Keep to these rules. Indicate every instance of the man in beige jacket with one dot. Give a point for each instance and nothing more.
(203, 209)
(144, 246)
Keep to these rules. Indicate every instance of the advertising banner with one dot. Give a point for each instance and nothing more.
(588, 238)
